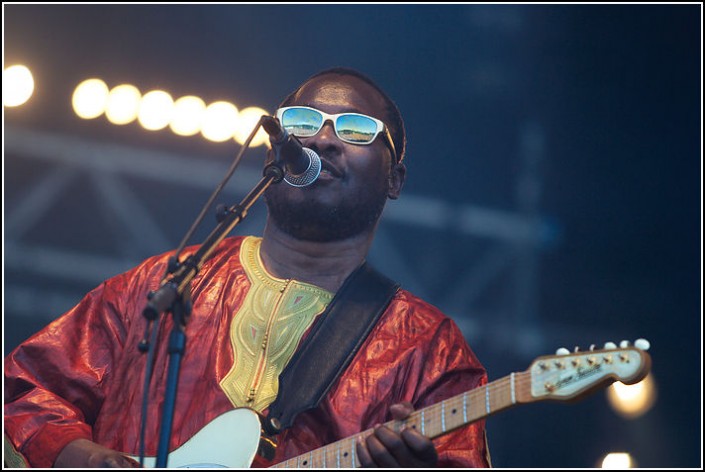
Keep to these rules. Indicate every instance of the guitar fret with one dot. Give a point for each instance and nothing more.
(346, 454)
(513, 394)
(505, 393)
(465, 407)
(443, 416)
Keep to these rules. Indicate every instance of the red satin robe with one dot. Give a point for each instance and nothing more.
(82, 376)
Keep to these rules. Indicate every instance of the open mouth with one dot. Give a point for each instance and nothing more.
(330, 170)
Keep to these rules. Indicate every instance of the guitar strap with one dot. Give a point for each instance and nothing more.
(330, 347)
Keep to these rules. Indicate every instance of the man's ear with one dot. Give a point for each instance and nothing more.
(397, 176)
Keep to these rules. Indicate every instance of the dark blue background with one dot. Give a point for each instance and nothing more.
(616, 91)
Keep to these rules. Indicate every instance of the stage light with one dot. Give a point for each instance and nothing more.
(123, 104)
(187, 116)
(156, 110)
(220, 121)
(90, 98)
(618, 460)
(17, 85)
(189, 112)
(247, 120)
(632, 401)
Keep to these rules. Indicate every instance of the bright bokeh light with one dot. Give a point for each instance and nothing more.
(189, 112)
(220, 121)
(90, 98)
(156, 110)
(247, 121)
(123, 104)
(618, 460)
(632, 401)
(187, 116)
(17, 85)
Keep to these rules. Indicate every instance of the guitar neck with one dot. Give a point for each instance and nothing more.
(433, 421)
(564, 376)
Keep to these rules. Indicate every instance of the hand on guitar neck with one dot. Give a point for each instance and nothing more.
(387, 448)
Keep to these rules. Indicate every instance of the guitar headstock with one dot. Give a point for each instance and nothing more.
(567, 375)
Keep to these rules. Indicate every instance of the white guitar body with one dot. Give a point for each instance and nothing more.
(229, 441)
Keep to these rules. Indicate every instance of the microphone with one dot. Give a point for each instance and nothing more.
(303, 166)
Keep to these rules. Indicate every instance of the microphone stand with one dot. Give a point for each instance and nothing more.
(174, 293)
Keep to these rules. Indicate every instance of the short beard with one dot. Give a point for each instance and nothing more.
(318, 221)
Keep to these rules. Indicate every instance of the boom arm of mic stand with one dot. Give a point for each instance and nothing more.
(162, 299)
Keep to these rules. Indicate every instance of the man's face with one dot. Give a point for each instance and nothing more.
(349, 195)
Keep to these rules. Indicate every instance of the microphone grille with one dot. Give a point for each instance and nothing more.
(308, 176)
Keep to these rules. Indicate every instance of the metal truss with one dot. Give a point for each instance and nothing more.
(510, 242)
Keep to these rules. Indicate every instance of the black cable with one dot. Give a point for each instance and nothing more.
(219, 188)
(149, 370)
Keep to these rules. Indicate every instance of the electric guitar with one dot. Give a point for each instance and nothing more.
(232, 439)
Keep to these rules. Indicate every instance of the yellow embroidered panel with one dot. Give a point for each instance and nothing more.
(12, 458)
(267, 329)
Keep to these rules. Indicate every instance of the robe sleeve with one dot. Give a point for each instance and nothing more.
(54, 381)
(451, 368)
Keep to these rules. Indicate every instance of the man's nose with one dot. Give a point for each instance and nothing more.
(328, 130)
(325, 138)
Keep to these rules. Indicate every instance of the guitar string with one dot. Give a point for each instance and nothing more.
(493, 388)
(512, 384)
(483, 393)
(496, 387)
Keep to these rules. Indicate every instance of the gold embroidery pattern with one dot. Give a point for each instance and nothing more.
(266, 330)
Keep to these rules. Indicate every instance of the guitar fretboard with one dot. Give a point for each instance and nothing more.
(432, 421)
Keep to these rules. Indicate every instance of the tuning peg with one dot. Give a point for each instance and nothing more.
(562, 351)
(610, 345)
(642, 344)
(592, 347)
(624, 344)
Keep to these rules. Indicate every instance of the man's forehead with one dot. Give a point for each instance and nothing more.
(344, 93)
